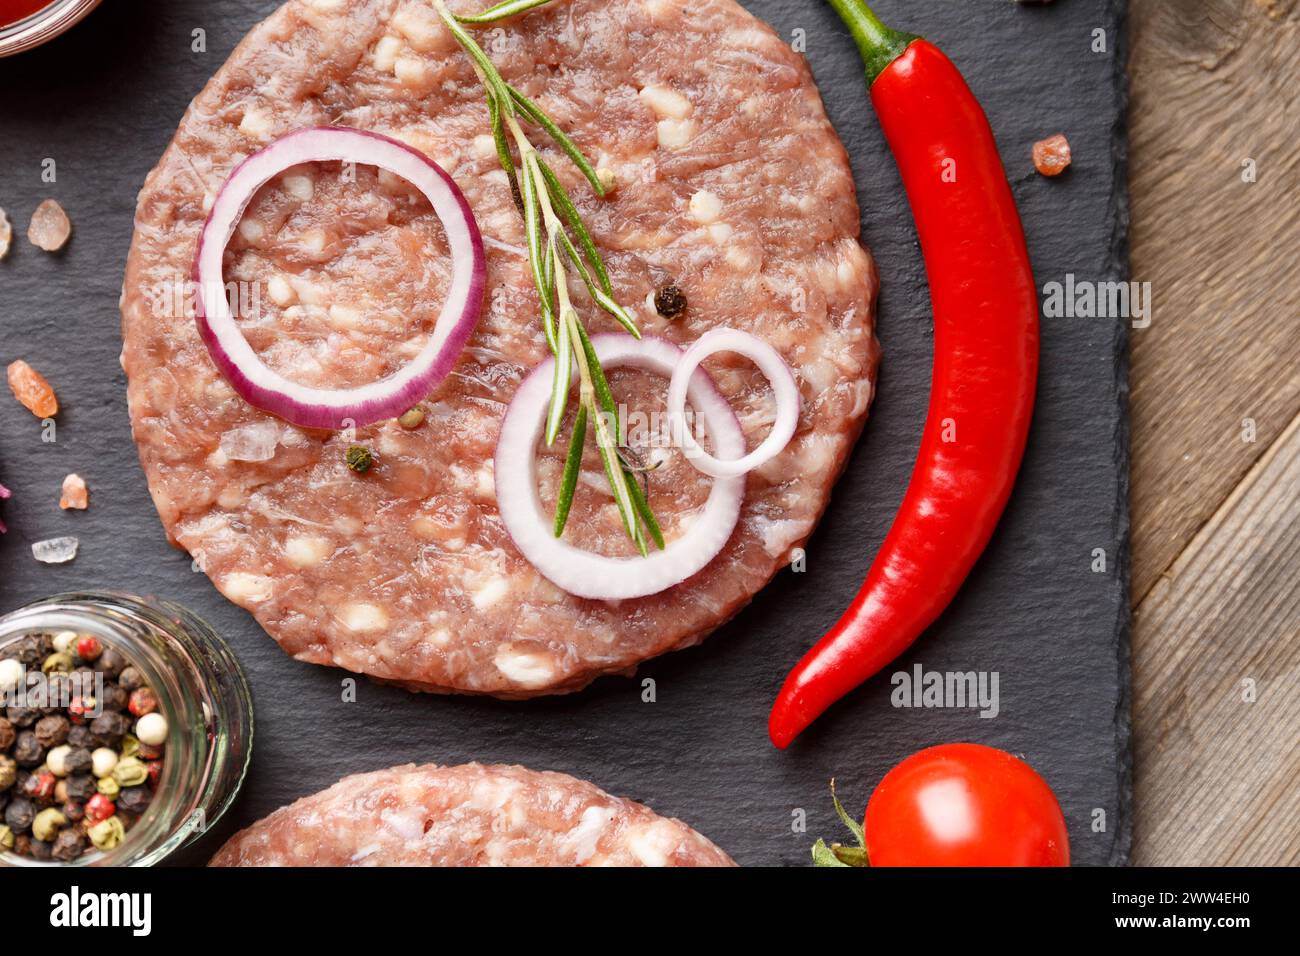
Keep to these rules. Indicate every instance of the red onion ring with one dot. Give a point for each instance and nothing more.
(584, 573)
(771, 364)
(389, 397)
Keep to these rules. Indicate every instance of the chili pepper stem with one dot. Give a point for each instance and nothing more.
(878, 45)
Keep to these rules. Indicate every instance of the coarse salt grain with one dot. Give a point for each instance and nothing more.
(1052, 155)
(253, 442)
(50, 226)
(74, 495)
(55, 550)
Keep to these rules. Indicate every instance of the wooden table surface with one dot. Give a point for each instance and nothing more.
(1215, 180)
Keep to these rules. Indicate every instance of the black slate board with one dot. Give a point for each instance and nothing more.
(103, 102)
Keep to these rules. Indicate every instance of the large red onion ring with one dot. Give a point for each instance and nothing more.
(584, 573)
(389, 397)
(784, 387)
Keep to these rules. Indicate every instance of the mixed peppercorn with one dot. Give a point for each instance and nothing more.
(77, 774)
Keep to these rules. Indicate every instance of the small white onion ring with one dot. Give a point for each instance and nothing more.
(584, 573)
(784, 387)
(304, 405)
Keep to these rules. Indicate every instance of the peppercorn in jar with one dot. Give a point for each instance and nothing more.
(125, 730)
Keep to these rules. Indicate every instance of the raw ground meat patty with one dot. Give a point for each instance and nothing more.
(731, 184)
(471, 815)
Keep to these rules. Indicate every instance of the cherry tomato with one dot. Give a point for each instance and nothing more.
(965, 805)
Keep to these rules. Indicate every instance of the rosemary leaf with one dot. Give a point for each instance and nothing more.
(548, 268)
(572, 466)
(533, 112)
(617, 311)
(560, 382)
(604, 397)
(533, 230)
(605, 442)
(618, 481)
(487, 70)
(504, 156)
(598, 296)
(500, 11)
(571, 215)
(614, 464)
(643, 508)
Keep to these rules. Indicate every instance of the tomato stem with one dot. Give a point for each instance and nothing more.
(878, 44)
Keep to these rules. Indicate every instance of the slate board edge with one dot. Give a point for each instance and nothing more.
(1121, 852)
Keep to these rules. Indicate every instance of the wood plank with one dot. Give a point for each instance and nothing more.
(1213, 84)
(1217, 776)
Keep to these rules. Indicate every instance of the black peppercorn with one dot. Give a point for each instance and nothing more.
(57, 692)
(81, 787)
(130, 679)
(81, 736)
(111, 663)
(149, 752)
(134, 799)
(52, 731)
(22, 716)
(41, 850)
(77, 760)
(39, 787)
(113, 698)
(28, 751)
(74, 811)
(19, 814)
(80, 683)
(670, 302)
(7, 734)
(31, 650)
(69, 844)
(110, 727)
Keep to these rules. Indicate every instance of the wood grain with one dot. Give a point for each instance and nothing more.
(1216, 527)
(1217, 757)
(1213, 84)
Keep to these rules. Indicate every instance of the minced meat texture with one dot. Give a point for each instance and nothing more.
(729, 183)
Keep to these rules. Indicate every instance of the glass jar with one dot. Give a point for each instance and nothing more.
(43, 25)
(201, 690)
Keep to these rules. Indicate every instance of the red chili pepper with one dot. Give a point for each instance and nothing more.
(985, 366)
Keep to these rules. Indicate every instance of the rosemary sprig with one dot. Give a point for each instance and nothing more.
(549, 217)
